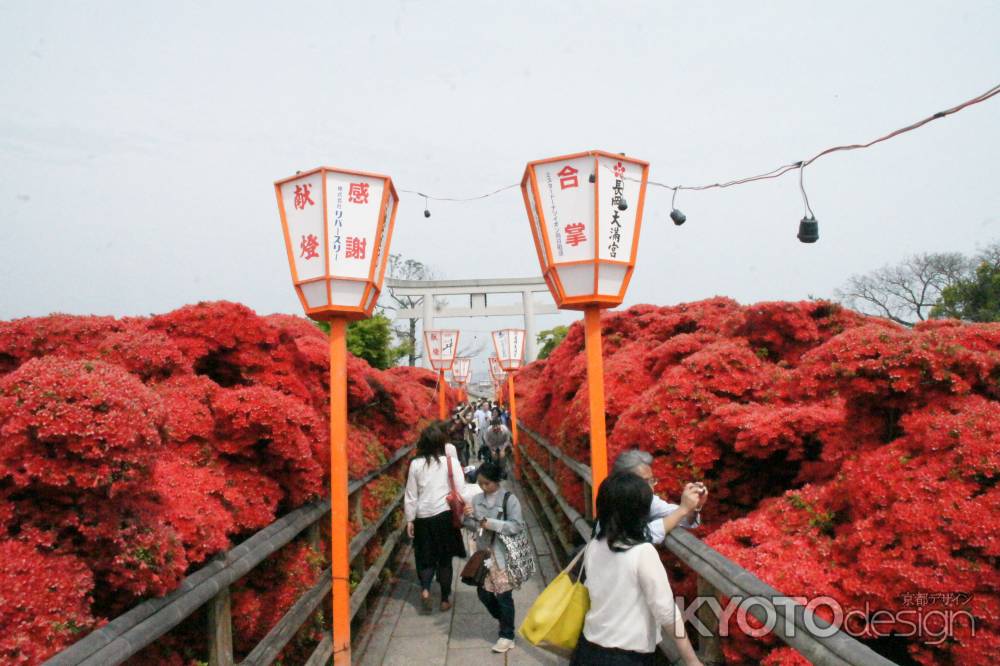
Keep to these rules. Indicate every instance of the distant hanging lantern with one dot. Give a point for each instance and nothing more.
(509, 346)
(441, 347)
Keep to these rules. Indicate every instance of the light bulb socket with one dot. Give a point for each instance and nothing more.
(808, 230)
(427, 213)
(678, 217)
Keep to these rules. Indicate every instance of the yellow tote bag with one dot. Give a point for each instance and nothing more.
(555, 620)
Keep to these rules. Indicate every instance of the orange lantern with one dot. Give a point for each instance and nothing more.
(337, 226)
(509, 345)
(441, 347)
(585, 212)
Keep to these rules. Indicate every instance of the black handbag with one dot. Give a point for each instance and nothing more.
(475, 570)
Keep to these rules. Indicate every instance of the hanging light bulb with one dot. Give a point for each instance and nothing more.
(808, 230)
(678, 217)
(808, 226)
(427, 213)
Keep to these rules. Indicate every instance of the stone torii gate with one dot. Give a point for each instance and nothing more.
(477, 291)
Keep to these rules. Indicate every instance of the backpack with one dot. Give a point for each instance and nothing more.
(520, 561)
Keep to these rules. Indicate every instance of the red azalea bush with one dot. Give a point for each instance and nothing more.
(846, 456)
(133, 449)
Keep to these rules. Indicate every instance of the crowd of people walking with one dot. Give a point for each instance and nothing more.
(456, 482)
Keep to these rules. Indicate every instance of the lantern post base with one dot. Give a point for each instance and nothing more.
(595, 383)
(339, 528)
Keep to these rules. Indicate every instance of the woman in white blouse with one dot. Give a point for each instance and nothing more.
(428, 516)
(631, 602)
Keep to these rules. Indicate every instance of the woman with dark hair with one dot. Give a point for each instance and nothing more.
(630, 596)
(495, 512)
(431, 476)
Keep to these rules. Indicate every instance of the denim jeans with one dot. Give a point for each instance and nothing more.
(501, 607)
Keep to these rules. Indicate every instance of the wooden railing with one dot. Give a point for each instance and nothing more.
(718, 576)
(139, 627)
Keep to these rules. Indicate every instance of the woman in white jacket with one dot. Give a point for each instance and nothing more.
(428, 517)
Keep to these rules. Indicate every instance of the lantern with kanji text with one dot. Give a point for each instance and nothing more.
(337, 225)
(509, 345)
(441, 347)
(585, 212)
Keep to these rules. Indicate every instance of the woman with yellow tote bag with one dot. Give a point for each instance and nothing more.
(555, 621)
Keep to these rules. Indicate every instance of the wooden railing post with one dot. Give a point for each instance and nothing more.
(220, 629)
(709, 647)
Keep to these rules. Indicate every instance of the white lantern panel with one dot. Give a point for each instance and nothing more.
(353, 206)
(577, 280)
(567, 203)
(618, 179)
(533, 214)
(346, 292)
(315, 294)
(610, 278)
(302, 200)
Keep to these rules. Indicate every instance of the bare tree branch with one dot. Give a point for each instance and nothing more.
(906, 292)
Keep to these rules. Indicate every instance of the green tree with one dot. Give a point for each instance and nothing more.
(976, 297)
(550, 339)
(372, 340)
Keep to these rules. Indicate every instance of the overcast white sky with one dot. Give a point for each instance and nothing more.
(139, 140)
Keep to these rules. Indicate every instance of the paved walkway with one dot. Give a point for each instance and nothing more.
(404, 636)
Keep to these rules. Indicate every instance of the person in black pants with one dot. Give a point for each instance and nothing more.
(436, 540)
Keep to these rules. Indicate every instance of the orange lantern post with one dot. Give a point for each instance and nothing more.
(337, 225)
(585, 212)
(509, 345)
(441, 347)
